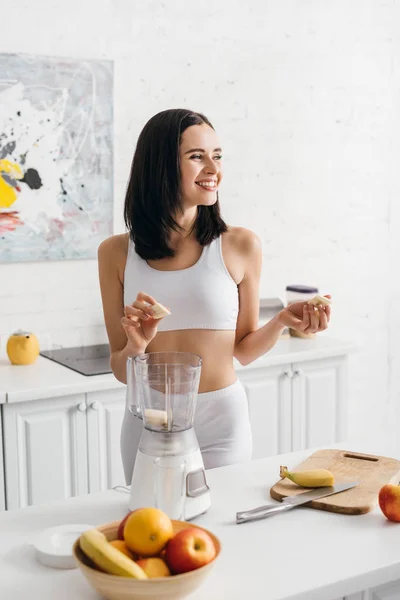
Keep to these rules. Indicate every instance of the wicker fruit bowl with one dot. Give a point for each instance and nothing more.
(115, 587)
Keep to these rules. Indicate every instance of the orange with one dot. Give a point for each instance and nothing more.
(154, 567)
(147, 530)
(122, 547)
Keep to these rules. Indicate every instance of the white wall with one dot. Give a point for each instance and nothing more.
(305, 98)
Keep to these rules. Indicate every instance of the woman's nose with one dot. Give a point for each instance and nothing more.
(211, 167)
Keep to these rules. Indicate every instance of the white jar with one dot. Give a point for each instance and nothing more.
(299, 293)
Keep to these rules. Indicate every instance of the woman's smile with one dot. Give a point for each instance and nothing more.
(208, 185)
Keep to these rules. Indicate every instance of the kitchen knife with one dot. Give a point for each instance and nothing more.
(292, 501)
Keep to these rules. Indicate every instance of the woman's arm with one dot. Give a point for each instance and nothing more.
(112, 294)
(251, 341)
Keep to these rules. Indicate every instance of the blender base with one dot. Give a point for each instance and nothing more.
(174, 484)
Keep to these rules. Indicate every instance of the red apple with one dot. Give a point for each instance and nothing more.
(120, 533)
(189, 549)
(389, 501)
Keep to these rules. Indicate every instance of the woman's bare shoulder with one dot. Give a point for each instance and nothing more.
(243, 240)
(114, 246)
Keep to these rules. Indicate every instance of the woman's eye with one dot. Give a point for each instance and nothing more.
(199, 156)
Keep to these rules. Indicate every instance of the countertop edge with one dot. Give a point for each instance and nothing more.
(281, 353)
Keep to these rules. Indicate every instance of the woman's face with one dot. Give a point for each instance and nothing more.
(200, 164)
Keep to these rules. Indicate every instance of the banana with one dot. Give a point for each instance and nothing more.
(313, 478)
(156, 417)
(108, 558)
(317, 300)
(160, 311)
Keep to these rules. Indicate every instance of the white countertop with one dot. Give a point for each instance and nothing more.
(47, 379)
(304, 554)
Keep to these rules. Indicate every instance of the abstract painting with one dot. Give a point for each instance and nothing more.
(56, 157)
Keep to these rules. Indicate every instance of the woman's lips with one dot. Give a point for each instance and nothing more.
(208, 187)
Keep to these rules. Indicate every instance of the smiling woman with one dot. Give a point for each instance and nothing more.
(179, 251)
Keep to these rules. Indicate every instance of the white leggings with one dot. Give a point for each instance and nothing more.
(222, 428)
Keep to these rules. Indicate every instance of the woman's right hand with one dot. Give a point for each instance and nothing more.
(139, 325)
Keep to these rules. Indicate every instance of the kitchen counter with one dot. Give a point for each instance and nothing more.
(47, 379)
(303, 554)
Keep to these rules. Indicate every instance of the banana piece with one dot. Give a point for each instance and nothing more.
(318, 300)
(108, 558)
(313, 478)
(159, 310)
(156, 417)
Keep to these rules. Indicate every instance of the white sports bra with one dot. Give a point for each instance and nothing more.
(203, 296)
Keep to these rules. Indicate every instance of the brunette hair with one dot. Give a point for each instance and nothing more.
(153, 194)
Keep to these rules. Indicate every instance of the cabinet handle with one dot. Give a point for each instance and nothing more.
(288, 374)
(297, 372)
(95, 405)
(81, 407)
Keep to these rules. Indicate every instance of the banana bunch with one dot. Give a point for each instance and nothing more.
(108, 558)
(312, 479)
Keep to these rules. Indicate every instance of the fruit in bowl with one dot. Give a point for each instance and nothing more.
(146, 531)
(156, 557)
(189, 549)
(154, 566)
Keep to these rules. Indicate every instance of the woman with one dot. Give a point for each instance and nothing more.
(179, 251)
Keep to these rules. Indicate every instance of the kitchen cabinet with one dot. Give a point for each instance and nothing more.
(45, 450)
(105, 412)
(268, 393)
(319, 400)
(62, 447)
(296, 406)
(388, 591)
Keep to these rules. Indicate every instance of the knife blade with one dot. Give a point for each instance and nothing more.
(261, 512)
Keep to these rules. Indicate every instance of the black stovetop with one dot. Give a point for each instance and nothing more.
(87, 360)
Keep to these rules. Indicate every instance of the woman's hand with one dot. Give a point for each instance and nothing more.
(305, 317)
(139, 325)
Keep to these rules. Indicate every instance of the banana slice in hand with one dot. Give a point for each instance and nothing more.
(318, 300)
(159, 310)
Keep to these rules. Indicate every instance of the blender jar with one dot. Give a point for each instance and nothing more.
(163, 389)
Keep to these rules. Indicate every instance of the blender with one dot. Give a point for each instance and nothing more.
(169, 471)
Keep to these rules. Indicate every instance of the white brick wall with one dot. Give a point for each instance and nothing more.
(305, 98)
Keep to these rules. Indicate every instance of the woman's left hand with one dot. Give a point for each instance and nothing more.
(305, 317)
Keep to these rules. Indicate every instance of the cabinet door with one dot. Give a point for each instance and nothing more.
(319, 400)
(387, 591)
(105, 414)
(45, 450)
(2, 482)
(268, 395)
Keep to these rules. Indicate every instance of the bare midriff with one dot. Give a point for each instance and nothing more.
(214, 346)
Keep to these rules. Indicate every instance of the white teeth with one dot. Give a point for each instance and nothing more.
(209, 184)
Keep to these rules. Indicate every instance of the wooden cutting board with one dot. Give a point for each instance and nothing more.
(371, 471)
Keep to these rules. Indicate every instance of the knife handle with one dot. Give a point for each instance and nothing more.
(261, 512)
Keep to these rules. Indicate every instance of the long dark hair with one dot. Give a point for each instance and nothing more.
(153, 194)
